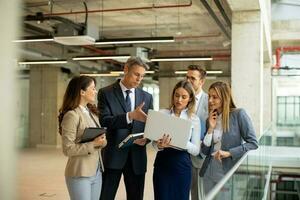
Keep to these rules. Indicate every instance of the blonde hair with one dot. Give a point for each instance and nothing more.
(189, 88)
(224, 93)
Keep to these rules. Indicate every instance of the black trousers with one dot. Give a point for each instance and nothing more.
(134, 184)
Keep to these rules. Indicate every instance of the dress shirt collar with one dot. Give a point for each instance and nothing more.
(183, 113)
(198, 96)
(124, 88)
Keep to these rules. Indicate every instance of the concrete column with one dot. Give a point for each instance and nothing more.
(166, 85)
(9, 15)
(47, 86)
(267, 98)
(247, 64)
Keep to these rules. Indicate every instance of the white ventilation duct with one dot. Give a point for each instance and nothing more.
(67, 35)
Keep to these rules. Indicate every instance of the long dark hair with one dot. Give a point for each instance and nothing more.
(72, 96)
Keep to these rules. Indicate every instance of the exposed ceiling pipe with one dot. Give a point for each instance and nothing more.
(221, 57)
(223, 13)
(41, 17)
(282, 176)
(214, 16)
(97, 50)
(36, 30)
(281, 50)
(102, 52)
(122, 9)
(192, 51)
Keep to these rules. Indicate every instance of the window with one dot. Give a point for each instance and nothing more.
(288, 110)
(153, 89)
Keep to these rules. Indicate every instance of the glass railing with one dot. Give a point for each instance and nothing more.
(249, 178)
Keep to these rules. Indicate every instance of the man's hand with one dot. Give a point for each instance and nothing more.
(138, 114)
(140, 141)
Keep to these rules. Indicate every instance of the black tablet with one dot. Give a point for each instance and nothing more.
(90, 134)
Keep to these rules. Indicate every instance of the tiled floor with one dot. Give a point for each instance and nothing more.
(41, 175)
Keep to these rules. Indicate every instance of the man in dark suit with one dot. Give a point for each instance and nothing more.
(123, 109)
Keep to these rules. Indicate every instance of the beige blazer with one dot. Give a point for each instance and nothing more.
(83, 158)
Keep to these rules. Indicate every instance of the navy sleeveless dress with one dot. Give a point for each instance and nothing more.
(172, 175)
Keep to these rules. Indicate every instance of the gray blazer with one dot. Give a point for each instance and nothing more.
(239, 139)
(202, 113)
(202, 110)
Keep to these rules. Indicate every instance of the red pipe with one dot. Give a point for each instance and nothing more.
(221, 57)
(281, 176)
(102, 52)
(120, 9)
(283, 49)
(97, 50)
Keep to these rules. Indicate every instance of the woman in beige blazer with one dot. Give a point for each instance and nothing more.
(83, 171)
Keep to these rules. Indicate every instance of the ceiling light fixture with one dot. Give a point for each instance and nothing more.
(135, 40)
(122, 72)
(102, 57)
(38, 62)
(34, 40)
(208, 72)
(100, 75)
(178, 59)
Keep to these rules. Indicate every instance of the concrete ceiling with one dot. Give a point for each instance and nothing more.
(196, 32)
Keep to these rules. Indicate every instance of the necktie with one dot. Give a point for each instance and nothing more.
(128, 101)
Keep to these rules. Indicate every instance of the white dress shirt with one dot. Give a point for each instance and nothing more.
(198, 97)
(216, 134)
(131, 96)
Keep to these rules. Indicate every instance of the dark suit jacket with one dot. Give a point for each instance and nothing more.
(111, 104)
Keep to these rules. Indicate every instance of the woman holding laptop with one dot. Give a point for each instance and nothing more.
(83, 171)
(172, 168)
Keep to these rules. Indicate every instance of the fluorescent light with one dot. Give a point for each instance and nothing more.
(180, 72)
(96, 75)
(135, 40)
(102, 57)
(208, 72)
(214, 72)
(42, 38)
(35, 40)
(122, 72)
(179, 59)
(150, 72)
(38, 62)
(117, 72)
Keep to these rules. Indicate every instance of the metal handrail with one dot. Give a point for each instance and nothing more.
(267, 183)
(228, 175)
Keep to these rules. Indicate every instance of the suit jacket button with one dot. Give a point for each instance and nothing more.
(89, 153)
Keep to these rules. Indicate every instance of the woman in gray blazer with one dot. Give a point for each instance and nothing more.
(83, 171)
(230, 134)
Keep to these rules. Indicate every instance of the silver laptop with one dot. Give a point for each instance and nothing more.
(159, 123)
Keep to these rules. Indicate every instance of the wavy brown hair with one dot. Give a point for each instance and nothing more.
(189, 88)
(72, 96)
(223, 91)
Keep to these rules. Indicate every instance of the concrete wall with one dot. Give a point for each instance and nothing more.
(47, 85)
(22, 136)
